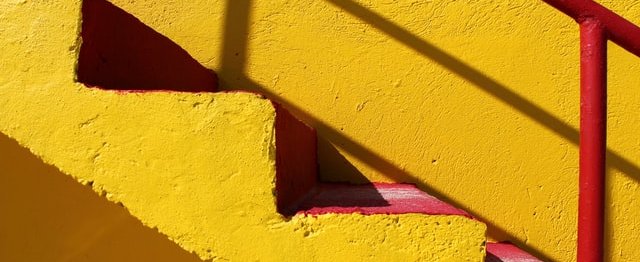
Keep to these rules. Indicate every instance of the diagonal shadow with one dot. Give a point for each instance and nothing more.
(236, 30)
(480, 80)
(380, 164)
(495, 89)
(119, 52)
(48, 216)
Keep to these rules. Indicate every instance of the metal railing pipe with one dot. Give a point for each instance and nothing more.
(593, 128)
(619, 30)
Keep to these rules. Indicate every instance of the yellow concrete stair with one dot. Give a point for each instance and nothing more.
(205, 176)
(206, 169)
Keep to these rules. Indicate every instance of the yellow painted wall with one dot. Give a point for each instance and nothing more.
(474, 101)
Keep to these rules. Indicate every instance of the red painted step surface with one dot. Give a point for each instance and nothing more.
(505, 252)
(376, 198)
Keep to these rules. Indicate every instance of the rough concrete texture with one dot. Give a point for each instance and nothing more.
(199, 167)
(475, 101)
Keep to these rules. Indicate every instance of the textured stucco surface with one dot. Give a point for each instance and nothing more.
(391, 101)
(399, 109)
(198, 167)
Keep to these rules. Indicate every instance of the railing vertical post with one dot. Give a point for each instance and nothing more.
(593, 113)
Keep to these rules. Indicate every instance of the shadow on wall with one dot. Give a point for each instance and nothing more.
(48, 216)
(121, 53)
(233, 74)
(232, 70)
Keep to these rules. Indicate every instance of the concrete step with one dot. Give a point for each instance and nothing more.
(388, 198)
(214, 173)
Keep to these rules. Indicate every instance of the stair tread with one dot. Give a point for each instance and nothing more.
(506, 252)
(375, 198)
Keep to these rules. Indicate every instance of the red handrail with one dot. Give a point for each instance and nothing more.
(597, 25)
(618, 29)
(593, 128)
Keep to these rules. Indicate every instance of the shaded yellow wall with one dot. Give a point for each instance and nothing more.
(475, 101)
(48, 216)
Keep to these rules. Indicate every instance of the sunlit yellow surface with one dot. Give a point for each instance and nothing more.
(198, 167)
(475, 101)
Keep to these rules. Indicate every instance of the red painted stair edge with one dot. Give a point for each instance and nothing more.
(374, 198)
(507, 252)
